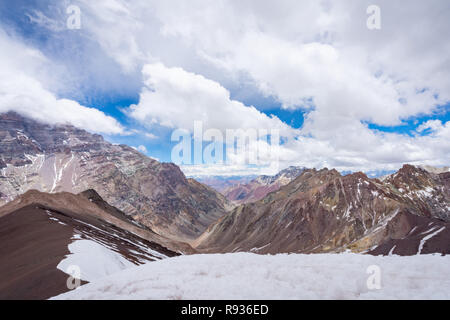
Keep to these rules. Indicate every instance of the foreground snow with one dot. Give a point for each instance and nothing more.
(95, 261)
(251, 276)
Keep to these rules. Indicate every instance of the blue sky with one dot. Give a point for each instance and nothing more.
(342, 95)
(110, 97)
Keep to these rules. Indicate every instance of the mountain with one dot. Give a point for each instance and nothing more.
(259, 187)
(43, 234)
(322, 211)
(221, 183)
(63, 158)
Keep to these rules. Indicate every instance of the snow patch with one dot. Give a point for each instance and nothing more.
(257, 249)
(296, 276)
(428, 237)
(427, 192)
(94, 260)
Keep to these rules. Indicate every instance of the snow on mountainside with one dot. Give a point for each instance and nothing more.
(250, 276)
(259, 187)
(63, 158)
(322, 211)
(95, 259)
(42, 235)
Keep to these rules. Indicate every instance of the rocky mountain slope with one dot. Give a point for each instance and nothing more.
(63, 158)
(322, 211)
(222, 183)
(259, 187)
(41, 236)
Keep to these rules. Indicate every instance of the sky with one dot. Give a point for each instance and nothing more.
(340, 94)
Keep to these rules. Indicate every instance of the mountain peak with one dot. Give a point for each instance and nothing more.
(65, 158)
(409, 168)
(321, 211)
(259, 187)
(359, 175)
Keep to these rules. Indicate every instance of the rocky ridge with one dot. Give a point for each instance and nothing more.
(39, 231)
(63, 158)
(322, 211)
(259, 187)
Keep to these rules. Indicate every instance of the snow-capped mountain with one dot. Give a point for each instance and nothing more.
(322, 211)
(44, 235)
(259, 187)
(63, 158)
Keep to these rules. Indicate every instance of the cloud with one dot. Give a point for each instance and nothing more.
(116, 26)
(436, 128)
(175, 98)
(227, 170)
(141, 149)
(317, 56)
(298, 52)
(42, 20)
(22, 91)
(320, 57)
(150, 135)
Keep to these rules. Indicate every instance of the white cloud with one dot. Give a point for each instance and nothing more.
(322, 54)
(175, 98)
(42, 20)
(22, 91)
(150, 135)
(316, 55)
(227, 170)
(296, 51)
(116, 25)
(437, 128)
(141, 149)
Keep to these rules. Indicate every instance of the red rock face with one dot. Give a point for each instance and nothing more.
(258, 188)
(221, 184)
(64, 158)
(322, 211)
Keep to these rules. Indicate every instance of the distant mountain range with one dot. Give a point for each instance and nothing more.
(259, 187)
(322, 211)
(222, 183)
(68, 197)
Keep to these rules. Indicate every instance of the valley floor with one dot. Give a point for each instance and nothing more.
(295, 276)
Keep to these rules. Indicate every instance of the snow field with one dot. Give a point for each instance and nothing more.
(295, 276)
